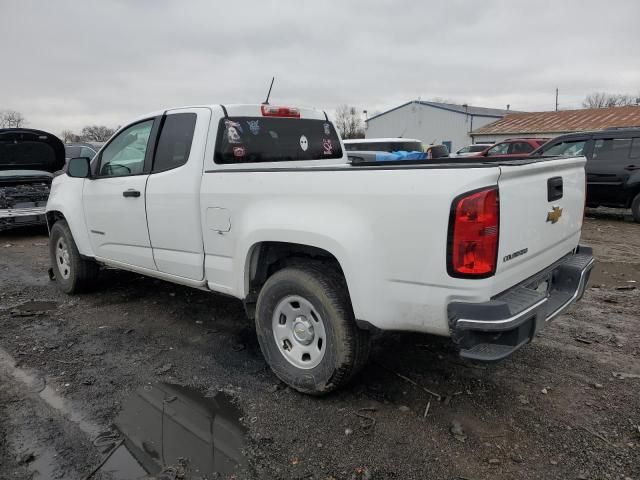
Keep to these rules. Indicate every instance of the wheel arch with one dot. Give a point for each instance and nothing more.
(264, 258)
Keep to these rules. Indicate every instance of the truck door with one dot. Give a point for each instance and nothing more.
(607, 171)
(114, 204)
(173, 193)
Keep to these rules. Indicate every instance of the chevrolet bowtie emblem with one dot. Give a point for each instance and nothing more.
(554, 215)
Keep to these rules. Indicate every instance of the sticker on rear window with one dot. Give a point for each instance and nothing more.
(304, 143)
(254, 126)
(239, 151)
(327, 148)
(234, 129)
(327, 129)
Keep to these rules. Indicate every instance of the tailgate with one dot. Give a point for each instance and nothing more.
(541, 212)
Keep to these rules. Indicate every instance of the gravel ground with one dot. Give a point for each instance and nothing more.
(567, 406)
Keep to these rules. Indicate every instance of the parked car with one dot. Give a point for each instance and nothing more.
(471, 150)
(28, 159)
(383, 145)
(85, 149)
(613, 165)
(320, 250)
(436, 151)
(514, 147)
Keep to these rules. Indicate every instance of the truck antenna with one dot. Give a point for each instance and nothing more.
(266, 102)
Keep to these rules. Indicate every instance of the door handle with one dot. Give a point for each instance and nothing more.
(632, 167)
(131, 193)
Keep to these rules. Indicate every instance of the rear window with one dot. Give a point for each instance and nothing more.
(384, 146)
(268, 139)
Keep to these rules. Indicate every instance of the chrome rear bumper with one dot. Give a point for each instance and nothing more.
(493, 330)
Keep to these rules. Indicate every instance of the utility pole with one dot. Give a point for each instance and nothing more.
(556, 99)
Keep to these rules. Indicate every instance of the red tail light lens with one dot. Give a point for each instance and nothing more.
(473, 234)
(275, 111)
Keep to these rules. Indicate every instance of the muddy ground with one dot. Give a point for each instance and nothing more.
(566, 406)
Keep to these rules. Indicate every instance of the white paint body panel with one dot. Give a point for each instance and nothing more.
(387, 226)
(173, 208)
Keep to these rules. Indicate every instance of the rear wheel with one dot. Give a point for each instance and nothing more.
(635, 208)
(73, 273)
(307, 331)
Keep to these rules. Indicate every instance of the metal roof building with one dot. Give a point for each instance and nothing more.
(432, 122)
(552, 124)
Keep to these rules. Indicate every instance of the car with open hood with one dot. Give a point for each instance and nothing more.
(28, 160)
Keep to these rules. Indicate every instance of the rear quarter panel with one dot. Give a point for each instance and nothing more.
(387, 228)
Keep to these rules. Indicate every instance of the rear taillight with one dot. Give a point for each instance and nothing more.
(275, 111)
(473, 234)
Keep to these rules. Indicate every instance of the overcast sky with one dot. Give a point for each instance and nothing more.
(66, 64)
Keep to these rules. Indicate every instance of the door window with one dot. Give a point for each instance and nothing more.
(612, 149)
(126, 153)
(175, 141)
(635, 148)
(499, 149)
(87, 152)
(521, 148)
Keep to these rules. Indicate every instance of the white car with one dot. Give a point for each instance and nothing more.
(261, 203)
(471, 150)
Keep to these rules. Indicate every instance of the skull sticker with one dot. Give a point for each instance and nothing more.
(304, 143)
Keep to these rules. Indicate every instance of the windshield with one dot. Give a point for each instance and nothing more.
(390, 146)
(472, 148)
(569, 148)
(268, 139)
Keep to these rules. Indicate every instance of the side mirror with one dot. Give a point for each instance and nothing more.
(79, 167)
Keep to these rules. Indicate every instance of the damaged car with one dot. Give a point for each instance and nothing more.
(28, 160)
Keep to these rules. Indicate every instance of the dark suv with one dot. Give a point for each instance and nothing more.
(613, 165)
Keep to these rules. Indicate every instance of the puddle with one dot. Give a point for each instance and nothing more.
(175, 428)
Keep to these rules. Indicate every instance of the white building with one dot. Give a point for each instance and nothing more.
(432, 122)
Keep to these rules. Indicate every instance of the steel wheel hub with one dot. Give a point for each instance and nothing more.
(299, 332)
(63, 259)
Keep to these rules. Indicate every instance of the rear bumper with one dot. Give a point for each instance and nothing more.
(493, 330)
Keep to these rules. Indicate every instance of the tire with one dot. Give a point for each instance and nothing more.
(73, 273)
(635, 208)
(338, 348)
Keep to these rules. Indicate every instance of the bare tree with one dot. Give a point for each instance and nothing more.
(11, 119)
(97, 133)
(607, 100)
(69, 137)
(349, 122)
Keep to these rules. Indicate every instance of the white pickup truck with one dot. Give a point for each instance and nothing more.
(262, 203)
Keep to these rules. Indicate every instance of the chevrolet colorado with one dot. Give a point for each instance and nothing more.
(261, 202)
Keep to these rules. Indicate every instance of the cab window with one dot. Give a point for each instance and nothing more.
(125, 154)
(174, 144)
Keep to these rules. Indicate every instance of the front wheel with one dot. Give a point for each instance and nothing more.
(72, 272)
(635, 208)
(306, 329)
